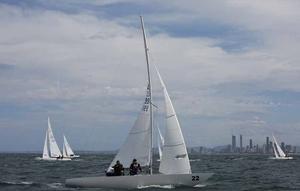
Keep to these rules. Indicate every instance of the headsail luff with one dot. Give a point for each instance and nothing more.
(175, 159)
(54, 150)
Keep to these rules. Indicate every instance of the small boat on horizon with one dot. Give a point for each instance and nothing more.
(51, 151)
(67, 150)
(278, 152)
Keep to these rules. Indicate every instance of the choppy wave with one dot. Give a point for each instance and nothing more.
(195, 160)
(157, 186)
(55, 185)
(7, 183)
(200, 185)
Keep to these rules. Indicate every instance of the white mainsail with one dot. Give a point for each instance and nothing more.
(54, 150)
(45, 150)
(67, 147)
(138, 143)
(278, 148)
(175, 159)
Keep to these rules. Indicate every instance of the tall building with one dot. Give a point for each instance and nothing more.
(233, 143)
(250, 144)
(282, 146)
(241, 143)
(267, 145)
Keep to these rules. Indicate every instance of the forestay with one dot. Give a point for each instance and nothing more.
(138, 142)
(54, 150)
(175, 159)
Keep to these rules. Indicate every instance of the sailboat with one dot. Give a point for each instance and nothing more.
(51, 150)
(278, 152)
(67, 150)
(174, 166)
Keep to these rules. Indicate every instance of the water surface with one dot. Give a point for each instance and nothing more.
(232, 172)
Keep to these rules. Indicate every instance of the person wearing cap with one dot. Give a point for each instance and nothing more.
(135, 168)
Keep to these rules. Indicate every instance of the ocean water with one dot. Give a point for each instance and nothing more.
(232, 172)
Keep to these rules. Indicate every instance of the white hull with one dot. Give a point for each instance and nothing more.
(75, 156)
(131, 182)
(281, 158)
(53, 159)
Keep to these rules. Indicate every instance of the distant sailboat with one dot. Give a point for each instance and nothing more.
(67, 151)
(51, 150)
(174, 165)
(278, 152)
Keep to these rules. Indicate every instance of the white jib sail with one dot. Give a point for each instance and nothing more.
(68, 148)
(138, 142)
(54, 150)
(280, 151)
(45, 150)
(175, 159)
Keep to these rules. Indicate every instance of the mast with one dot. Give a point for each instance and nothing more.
(150, 92)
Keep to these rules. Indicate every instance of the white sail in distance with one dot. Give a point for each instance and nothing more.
(45, 150)
(54, 150)
(64, 151)
(175, 159)
(278, 148)
(138, 142)
(67, 147)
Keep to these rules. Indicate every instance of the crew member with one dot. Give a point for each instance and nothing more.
(135, 167)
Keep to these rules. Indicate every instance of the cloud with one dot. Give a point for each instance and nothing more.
(86, 68)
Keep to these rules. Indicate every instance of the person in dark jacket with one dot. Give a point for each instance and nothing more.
(135, 168)
(118, 169)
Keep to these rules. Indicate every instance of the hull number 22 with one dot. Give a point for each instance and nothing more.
(195, 178)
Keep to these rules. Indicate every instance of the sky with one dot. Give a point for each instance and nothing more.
(231, 67)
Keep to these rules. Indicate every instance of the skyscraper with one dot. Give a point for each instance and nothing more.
(250, 144)
(233, 143)
(267, 145)
(282, 146)
(241, 143)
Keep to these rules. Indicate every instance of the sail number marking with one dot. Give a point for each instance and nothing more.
(195, 178)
